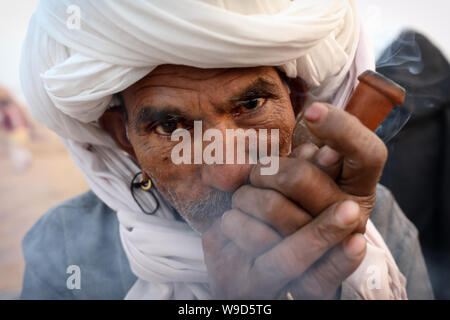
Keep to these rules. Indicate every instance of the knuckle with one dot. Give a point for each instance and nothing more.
(238, 227)
(282, 177)
(244, 225)
(261, 240)
(323, 236)
(291, 175)
(305, 151)
(226, 221)
(255, 175)
(312, 287)
(240, 195)
(268, 203)
(331, 268)
(376, 152)
(324, 278)
(368, 145)
(366, 203)
(382, 152)
(293, 258)
(265, 203)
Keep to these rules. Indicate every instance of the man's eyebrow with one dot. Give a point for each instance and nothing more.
(151, 114)
(258, 86)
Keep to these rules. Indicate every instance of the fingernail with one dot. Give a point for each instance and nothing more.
(347, 213)
(327, 157)
(316, 112)
(355, 245)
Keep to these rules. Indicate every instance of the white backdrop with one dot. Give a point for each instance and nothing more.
(14, 16)
(384, 19)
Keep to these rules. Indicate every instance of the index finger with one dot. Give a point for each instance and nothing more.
(364, 154)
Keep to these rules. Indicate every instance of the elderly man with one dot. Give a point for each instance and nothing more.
(117, 80)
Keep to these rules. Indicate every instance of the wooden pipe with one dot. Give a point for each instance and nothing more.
(374, 98)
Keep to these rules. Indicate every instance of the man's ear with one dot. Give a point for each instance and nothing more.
(114, 123)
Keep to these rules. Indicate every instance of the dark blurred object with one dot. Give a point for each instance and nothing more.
(418, 169)
(11, 115)
(15, 132)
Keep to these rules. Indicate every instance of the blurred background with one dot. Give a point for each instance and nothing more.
(37, 173)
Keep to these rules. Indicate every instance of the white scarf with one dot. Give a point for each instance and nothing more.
(69, 76)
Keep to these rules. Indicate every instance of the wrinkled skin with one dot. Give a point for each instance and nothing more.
(297, 231)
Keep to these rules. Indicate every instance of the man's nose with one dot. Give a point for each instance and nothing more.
(225, 177)
(230, 174)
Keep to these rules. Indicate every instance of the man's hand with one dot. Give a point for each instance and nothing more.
(296, 230)
(353, 155)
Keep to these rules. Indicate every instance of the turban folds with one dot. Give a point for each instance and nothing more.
(119, 42)
(69, 76)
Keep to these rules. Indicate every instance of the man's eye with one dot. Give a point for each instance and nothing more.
(166, 128)
(252, 104)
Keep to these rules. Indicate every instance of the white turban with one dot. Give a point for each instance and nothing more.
(69, 76)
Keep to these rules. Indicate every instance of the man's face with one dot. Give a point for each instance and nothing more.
(173, 97)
